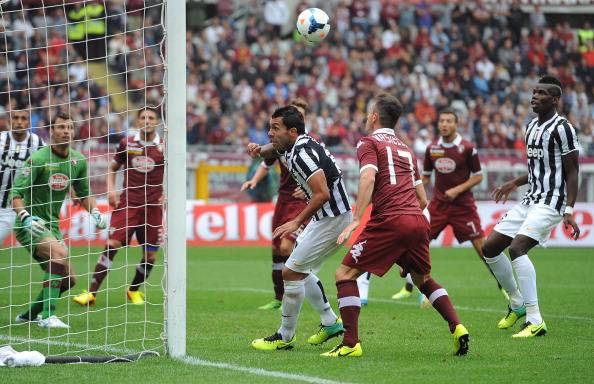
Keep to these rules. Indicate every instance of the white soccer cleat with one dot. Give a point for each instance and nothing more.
(53, 322)
(20, 319)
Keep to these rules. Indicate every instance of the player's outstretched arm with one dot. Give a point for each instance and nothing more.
(364, 193)
(502, 192)
(571, 167)
(260, 173)
(265, 151)
(320, 195)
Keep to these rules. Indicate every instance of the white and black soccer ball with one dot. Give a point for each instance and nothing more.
(313, 24)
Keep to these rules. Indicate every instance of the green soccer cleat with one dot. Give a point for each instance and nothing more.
(530, 330)
(326, 333)
(402, 294)
(461, 338)
(274, 304)
(512, 316)
(342, 350)
(273, 343)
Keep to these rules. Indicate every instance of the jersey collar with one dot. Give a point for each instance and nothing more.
(388, 131)
(156, 140)
(454, 143)
(546, 122)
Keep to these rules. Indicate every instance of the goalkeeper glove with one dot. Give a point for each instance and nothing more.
(100, 221)
(34, 224)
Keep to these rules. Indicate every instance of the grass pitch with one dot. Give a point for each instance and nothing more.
(401, 342)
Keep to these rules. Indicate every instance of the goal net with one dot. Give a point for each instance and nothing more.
(104, 65)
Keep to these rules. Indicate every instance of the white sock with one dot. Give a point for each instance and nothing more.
(314, 292)
(527, 281)
(291, 306)
(363, 284)
(408, 279)
(502, 269)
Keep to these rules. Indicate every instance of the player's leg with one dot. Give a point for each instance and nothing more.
(281, 250)
(349, 304)
(363, 282)
(478, 244)
(406, 291)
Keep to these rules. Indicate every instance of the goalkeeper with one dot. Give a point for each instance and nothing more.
(37, 196)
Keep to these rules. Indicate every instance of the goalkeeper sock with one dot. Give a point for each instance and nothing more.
(143, 270)
(35, 308)
(52, 280)
(102, 267)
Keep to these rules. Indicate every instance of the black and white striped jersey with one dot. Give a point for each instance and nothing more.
(545, 144)
(13, 156)
(308, 157)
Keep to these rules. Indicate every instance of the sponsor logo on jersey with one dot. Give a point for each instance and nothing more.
(26, 171)
(12, 162)
(436, 151)
(143, 164)
(58, 182)
(537, 153)
(445, 165)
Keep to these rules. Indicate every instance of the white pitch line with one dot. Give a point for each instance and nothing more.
(106, 348)
(409, 303)
(258, 371)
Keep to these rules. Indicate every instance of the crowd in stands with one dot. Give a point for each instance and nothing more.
(480, 59)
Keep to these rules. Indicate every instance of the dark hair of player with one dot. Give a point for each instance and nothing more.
(449, 111)
(292, 118)
(300, 103)
(60, 115)
(147, 108)
(389, 109)
(557, 87)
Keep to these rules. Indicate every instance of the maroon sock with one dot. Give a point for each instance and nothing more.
(441, 302)
(349, 305)
(277, 275)
(143, 270)
(102, 268)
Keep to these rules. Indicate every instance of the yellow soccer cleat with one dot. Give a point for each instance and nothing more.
(530, 330)
(342, 350)
(272, 343)
(461, 338)
(136, 297)
(86, 298)
(512, 316)
(424, 302)
(402, 294)
(326, 333)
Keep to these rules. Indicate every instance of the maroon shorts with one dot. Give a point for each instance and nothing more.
(403, 239)
(146, 222)
(285, 211)
(464, 220)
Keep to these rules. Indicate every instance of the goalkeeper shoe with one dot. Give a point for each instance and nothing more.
(512, 316)
(461, 338)
(531, 330)
(84, 299)
(24, 319)
(326, 333)
(272, 343)
(136, 297)
(52, 322)
(402, 294)
(364, 302)
(342, 350)
(274, 304)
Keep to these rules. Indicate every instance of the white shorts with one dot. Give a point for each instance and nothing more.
(316, 243)
(7, 216)
(534, 221)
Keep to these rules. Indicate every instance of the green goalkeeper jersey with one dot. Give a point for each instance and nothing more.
(45, 180)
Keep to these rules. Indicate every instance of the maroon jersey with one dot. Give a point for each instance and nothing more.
(453, 163)
(394, 192)
(143, 165)
(287, 183)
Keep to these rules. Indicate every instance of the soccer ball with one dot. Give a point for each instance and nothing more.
(313, 24)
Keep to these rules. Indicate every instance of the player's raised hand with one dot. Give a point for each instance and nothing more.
(298, 193)
(34, 224)
(346, 233)
(502, 192)
(253, 150)
(112, 198)
(569, 220)
(248, 184)
(100, 220)
(286, 228)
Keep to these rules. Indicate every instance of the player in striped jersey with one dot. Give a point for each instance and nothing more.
(552, 152)
(315, 170)
(17, 145)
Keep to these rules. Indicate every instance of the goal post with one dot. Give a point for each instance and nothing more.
(175, 98)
